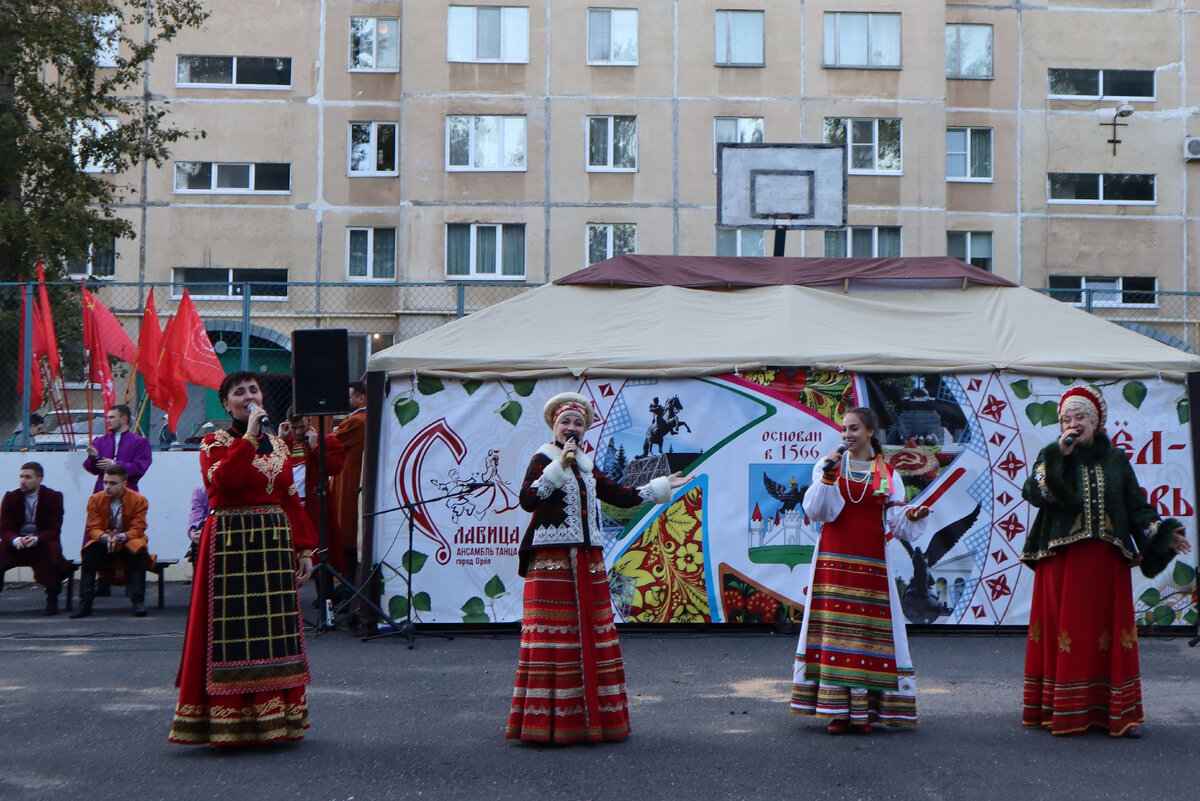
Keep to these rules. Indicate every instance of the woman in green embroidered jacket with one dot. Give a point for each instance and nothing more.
(1093, 524)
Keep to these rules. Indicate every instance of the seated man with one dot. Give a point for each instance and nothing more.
(30, 523)
(116, 537)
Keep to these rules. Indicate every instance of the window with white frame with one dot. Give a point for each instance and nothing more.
(969, 154)
(372, 148)
(612, 36)
(738, 39)
(226, 283)
(612, 144)
(374, 44)
(864, 242)
(212, 177)
(858, 39)
(106, 30)
(741, 242)
(371, 254)
(89, 137)
(485, 143)
(1094, 290)
(736, 130)
(1100, 83)
(361, 346)
(260, 72)
(605, 240)
(872, 145)
(1106, 187)
(485, 250)
(968, 51)
(488, 33)
(973, 247)
(100, 261)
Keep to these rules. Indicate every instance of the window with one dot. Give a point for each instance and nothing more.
(855, 39)
(217, 283)
(738, 130)
(487, 33)
(222, 178)
(740, 242)
(861, 242)
(605, 240)
(100, 262)
(1135, 84)
(738, 39)
(372, 148)
(872, 146)
(361, 347)
(374, 44)
(485, 250)
(106, 31)
(88, 136)
(968, 51)
(1091, 290)
(371, 254)
(612, 36)
(969, 154)
(612, 144)
(259, 71)
(1108, 187)
(485, 143)
(973, 247)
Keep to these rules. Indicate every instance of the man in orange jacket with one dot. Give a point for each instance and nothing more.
(116, 537)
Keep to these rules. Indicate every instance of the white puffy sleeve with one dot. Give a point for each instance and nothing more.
(822, 502)
(897, 519)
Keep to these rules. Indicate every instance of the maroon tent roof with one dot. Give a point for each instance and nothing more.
(729, 272)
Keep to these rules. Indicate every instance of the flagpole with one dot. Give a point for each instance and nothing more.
(27, 362)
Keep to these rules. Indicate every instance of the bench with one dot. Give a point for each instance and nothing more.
(160, 567)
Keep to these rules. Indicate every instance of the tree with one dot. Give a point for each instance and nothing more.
(74, 95)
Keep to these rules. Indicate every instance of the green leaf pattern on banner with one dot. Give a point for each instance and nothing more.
(406, 410)
(471, 385)
(397, 607)
(474, 611)
(1183, 411)
(413, 561)
(1022, 389)
(495, 588)
(1135, 393)
(1183, 575)
(422, 602)
(524, 388)
(510, 411)
(428, 385)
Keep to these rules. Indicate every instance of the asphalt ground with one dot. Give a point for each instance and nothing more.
(85, 706)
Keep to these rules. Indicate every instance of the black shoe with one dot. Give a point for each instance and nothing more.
(84, 610)
(139, 609)
(103, 589)
(51, 605)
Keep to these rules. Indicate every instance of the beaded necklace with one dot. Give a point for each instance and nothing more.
(864, 479)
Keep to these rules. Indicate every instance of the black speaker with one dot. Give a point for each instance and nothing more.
(320, 371)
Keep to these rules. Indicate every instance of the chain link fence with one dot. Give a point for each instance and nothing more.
(1169, 317)
(250, 325)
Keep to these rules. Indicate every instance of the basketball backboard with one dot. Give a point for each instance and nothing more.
(781, 186)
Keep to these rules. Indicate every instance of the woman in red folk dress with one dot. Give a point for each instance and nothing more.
(570, 684)
(852, 665)
(244, 666)
(1093, 524)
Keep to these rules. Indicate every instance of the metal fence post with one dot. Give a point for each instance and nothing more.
(245, 325)
(27, 358)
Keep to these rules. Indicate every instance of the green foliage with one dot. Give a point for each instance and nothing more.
(1135, 393)
(1042, 414)
(1022, 388)
(1150, 597)
(422, 602)
(406, 409)
(524, 388)
(495, 588)
(1183, 411)
(510, 411)
(55, 95)
(471, 386)
(474, 611)
(428, 385)
(413, 561)
(397, 607)
(1066, 382)
(1183, 575)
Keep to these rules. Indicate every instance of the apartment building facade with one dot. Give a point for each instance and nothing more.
(450, 143)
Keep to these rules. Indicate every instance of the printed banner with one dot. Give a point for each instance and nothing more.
(734, 545)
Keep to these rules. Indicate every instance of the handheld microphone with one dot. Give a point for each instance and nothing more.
(832, 461)
(571, 454)
(1069, 440)
(250, 407)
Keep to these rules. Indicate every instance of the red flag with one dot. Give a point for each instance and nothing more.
(44, 341)
(99, 369)
(149, 351)
(109, 333)
(171, 385)
(37, 389)
(190, 350)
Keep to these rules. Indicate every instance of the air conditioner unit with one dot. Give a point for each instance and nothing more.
(1191, 148)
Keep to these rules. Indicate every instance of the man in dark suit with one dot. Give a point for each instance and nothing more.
(30, 525)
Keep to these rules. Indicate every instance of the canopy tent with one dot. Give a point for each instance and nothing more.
(675, 316)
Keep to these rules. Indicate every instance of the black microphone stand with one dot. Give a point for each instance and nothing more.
(323, 572)
(408, 628)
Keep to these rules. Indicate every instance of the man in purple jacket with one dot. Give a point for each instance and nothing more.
(30, 524)
(119, 446)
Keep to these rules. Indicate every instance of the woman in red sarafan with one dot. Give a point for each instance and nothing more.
(244, 666)
(1093, 524)
(570, 684)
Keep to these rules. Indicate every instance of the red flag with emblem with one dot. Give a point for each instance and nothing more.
(108, 329)
(44, 341)
(99, 369)
(149, 351)
(188, 356)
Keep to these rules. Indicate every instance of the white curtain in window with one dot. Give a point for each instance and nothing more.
(460, 33)
(885, 40)
(514, 141)
(599, 34)
(359, 243)
(515, 33)
(487, 143)
(384, 261)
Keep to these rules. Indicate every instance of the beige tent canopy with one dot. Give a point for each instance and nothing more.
(690, 316)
